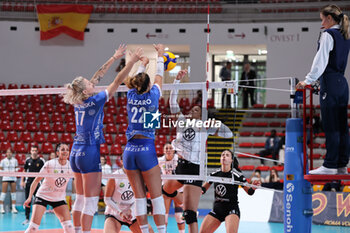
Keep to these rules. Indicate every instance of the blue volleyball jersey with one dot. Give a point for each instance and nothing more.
(136, 106)
(89, 119)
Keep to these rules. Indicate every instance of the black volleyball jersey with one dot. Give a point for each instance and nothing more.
(227, 192)
(33, 165)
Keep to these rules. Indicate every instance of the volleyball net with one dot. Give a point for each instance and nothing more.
(38, 116)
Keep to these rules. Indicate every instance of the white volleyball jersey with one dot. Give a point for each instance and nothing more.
(9, 165)
(106, 169)
(123, 196)
(167, 166)
(188, 141)
(54, 189)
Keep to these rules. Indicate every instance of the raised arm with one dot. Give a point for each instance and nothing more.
(222, 131)
(174, 106)
(134, 57)
(104, 68)
(160, 65)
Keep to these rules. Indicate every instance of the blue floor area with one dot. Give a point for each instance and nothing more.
(13, 222)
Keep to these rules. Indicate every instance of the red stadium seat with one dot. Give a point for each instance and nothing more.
(19, 147)
(45, 126)
(48, 107)
(12, 136)
(109, 139)
(59, 99)
(275, 124)
(123, 127)
(25, 136)
(30, 116)
(46, 148)
(35, 99)
(116, 149)
(4, 146)
(121, 118)
(245, 144)
(2, 137)
(17, 116)
(258, 106)
(39, 137)
(278, 168)
(13, 86)
(258, 134)
(69, 117)
(269, 115)
(18, 126)
(104, 149)
(10, 98)
(282, 115)
(271, 106)
(70, 127)
(111, 110)
(44, 116)
(108, 119)
(161, 139)
(35, 107)
(261, 124)
(121, 138)
(245, 134)
(52, 137)
(2, 86)
(5, 125)
(184, 101)
(111, 129)
(249, 124)
(5, 115)
(60, 108)
(259, 145)
(32, 126)
(10, 106)
(58, 127)
(56, 116)
(47, 99)
(123, 111)
(21, 158)
(248, 168)
(122, 101)
(210, 103)
(284, 106)
(37, 86)
(67, 138)
(23, 98)
(263, 168)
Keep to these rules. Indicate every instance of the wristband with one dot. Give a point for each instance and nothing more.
(204, 190)
(141, 69)
(160, 66)
(176, 81)
(251, 191)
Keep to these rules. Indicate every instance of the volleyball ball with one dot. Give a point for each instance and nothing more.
(169, 61)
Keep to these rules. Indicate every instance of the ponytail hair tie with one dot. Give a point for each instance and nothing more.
(341, 15)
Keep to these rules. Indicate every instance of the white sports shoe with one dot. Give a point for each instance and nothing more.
(323, 171)
(2, 211)
(14, 211)
(25, 222)
(342, 170)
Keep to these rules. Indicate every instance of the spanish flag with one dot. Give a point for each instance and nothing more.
(56, 19)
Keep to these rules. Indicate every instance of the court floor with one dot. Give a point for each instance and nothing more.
(13, 223)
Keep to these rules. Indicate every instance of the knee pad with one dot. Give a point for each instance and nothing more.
(67, 226)
(90, 205)
(158, 205)
(141, 206)
(79, 203)
(13, 196)
(32, 227)
(178, 215)
(190, 216)
(169, 194)
(2, 196)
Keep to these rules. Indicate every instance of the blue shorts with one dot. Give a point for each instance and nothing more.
(140, 154)
(85, 158)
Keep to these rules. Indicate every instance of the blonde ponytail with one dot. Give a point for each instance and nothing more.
(75, 94)
(339, 17)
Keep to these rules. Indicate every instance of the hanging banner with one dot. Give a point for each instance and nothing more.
(69, 19)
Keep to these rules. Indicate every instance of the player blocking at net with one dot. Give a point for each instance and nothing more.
(85, 154)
